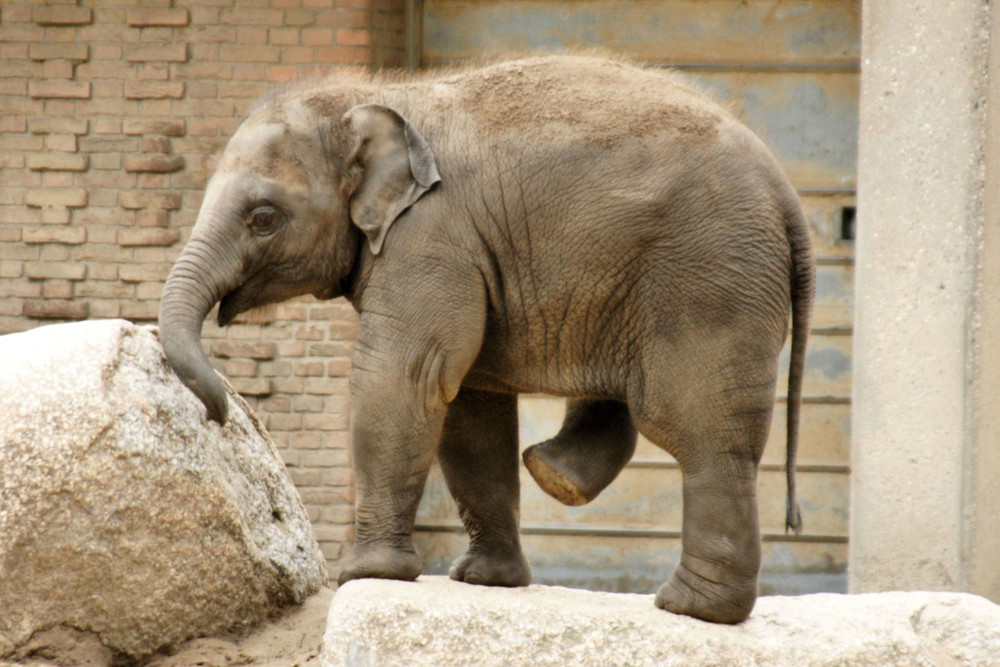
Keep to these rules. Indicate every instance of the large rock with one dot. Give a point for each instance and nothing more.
(125, 516)
(438, 622)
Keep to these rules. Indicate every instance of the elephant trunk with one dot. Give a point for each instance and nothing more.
(196, 283)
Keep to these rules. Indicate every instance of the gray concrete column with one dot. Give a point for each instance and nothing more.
(925, 490)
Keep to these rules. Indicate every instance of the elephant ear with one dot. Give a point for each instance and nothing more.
(396, 164)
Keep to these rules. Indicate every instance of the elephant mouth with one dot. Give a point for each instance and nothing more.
(232, 304)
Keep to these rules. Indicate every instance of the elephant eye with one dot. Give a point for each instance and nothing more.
(265, 220)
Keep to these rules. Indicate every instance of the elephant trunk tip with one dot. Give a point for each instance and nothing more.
(216, 402)
(196, 373)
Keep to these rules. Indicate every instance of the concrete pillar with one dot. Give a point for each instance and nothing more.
(925, 490)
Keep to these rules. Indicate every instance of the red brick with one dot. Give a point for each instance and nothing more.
(176, 17)
(61, 142)
(317, 36)
(10, 161)
(155, 144)
(240, 368)
(140, 311)
(142, 273)
(149, 218)
(59, 51)
(345, 18)
(339, 368)
(56, 310)
(309, 368)
(282, 73)
(303, 478)
(16, 14)
(62, 15)
(344, 55)
(252, 386)
(59, 270)
(175, 53)
(148, 237)
(325, 386)
(149, 291)
(353, 37)
(57, 289)
(249, 54)
(55, 215)
(299, 17)
(14, 124)
(325, 422)
(343, 331)
(106, 52)
(51, 161)
(144, 90)
(167, 128)
(131, 199)
(251, 36)
(160, 164)
(255, 17)
(253, 350)
(60, 197)
(154, 71)
(325, 458)
(58, 125)
(59, 89)
(57, 69)
(307, 440)
(283, 36)
(67, 235)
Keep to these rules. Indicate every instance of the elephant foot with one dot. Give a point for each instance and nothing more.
(380, 562)
(491, 569)
(596, 441)
(692, 594)
(554, 477)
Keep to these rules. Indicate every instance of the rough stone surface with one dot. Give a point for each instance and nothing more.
(125, 515)
(438, 622)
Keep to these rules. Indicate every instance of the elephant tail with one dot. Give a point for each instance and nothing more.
(803, 288)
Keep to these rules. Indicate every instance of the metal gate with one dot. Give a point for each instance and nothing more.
(789, 70)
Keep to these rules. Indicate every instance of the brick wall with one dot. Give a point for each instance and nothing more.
(111, 115)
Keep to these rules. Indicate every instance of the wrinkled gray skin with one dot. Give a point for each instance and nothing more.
(562, 225)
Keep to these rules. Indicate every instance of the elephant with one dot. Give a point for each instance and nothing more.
(566, 224)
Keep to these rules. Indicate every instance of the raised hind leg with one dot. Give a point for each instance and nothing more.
(714, 418)
(478, 455)
(596, 441)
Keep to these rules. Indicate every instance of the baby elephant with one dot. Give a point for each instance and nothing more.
(565, 225)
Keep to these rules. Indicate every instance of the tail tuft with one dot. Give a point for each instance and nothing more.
(793, 519)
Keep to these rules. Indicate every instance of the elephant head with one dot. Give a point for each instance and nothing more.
(296, 190)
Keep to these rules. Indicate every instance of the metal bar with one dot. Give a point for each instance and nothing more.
(846, 67)
(832, 260)
(414, 34)
(827, 192)
(827, 468)
(832, 331)
(654, 533)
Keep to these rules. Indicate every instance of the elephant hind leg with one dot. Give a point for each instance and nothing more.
(712, 413)
(596, 441)
(478, 456)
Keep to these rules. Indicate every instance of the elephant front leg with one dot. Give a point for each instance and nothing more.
(392, 445)
(478, 455)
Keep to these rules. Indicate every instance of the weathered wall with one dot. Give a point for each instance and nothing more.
(110, 115)
(925, 509)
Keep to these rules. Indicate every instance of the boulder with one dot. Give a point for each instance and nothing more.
(127, 518)
(435, 621)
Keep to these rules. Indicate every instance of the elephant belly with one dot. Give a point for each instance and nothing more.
(525, 369)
